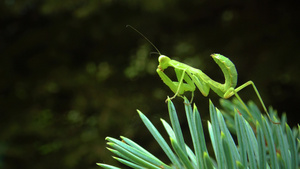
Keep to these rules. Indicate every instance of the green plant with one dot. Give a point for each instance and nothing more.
(260, 144)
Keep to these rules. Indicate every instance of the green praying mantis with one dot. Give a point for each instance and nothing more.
(189, 78)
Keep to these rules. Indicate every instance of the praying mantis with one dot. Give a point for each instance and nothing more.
(189, 78)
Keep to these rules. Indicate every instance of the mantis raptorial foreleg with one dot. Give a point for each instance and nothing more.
(189, 77)
(178, 87)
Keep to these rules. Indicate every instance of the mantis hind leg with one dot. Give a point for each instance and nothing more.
(229, 93)
(232, 90)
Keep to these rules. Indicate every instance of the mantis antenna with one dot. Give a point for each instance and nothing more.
(144, 37)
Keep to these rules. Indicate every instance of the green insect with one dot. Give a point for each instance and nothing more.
(189, 78)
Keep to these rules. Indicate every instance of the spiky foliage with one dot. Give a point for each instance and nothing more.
(260, 144)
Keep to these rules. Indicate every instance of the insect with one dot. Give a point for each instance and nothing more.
(189, 78)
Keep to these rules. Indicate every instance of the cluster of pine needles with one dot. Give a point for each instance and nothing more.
(259, 144)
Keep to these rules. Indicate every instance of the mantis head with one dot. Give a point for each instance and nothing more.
(163, 62)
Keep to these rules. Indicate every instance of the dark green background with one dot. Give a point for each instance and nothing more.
(72, 73)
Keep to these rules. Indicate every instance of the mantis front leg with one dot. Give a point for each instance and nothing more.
(178, 87)
(181, 75)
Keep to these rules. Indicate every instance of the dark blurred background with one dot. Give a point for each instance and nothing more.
(72, 73)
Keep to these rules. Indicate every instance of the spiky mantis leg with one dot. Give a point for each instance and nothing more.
(178, 87)
(235, 92)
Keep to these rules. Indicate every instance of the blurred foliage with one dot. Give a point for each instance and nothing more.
(72, 74)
